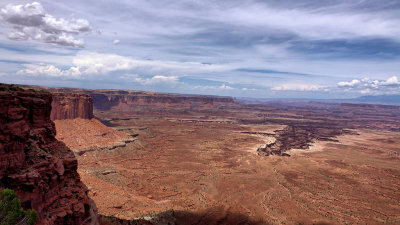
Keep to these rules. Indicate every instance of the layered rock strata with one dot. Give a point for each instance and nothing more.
(71, 105)
(42, 170)
(106, 100)
(126, 99)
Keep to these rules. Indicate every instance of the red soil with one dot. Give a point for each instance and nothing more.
(82, 134)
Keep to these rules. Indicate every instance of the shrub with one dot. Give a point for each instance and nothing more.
(32, 217)
(11, 211)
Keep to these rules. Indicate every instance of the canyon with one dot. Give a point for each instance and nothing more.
(333, 150)
(153, 158)
(192, 162)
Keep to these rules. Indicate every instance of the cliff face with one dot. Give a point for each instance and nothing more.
(42, 170)
(106, 100)
(71, 105)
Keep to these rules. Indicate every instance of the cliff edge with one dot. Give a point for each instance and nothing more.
(42, 170)
(125, 100)
(71, 106)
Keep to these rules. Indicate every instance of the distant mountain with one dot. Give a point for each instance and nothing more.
(379, 99)
(389, 99)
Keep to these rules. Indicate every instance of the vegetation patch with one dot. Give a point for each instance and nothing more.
(11, 211)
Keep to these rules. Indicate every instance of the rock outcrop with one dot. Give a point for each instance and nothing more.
(68, 105)
(82, 135)
(300, 137)
(42, 170)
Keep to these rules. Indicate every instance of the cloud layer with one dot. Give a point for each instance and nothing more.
(248, 48)
(372, 86)
(86, 64)
(298, 87)
(31, 22)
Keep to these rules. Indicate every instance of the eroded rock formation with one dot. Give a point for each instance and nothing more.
(300, 137)
(42, 170)
(71, 105)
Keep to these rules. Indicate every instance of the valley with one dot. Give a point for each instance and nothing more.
(310, 163)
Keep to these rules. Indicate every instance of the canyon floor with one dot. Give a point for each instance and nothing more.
(209, 165)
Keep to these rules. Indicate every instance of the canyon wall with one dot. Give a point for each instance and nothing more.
(106, 100)
(68, 105)
(42, 170)
(71, 103)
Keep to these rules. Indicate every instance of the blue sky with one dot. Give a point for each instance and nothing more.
(254, 48)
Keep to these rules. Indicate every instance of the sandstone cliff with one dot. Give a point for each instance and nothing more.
(106, 100)
(71, 105)
(42, 170)
(66, 100)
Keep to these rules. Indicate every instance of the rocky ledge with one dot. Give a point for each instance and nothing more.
(82, 135)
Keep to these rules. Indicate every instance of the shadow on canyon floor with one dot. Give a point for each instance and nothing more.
(211, 216)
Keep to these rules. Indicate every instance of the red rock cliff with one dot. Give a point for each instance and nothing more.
(65, 102)
(71, 105)
(42, 170)
(105, 100)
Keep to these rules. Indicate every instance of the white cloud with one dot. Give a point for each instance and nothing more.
(372, 86)
(98, 63)
(93, 63)
(349, 84)
(158, 79)
(31, 22)
(225, 87)
(391, 81)
(370, 83)
(49, 70)
(366, 91)
(161, 78)
(298, 87)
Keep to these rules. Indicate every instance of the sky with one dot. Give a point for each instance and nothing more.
(254, 48)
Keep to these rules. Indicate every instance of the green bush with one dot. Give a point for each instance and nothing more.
(11, 211)
(32, 216)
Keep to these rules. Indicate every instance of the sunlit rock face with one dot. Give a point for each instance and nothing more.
(71, 106)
